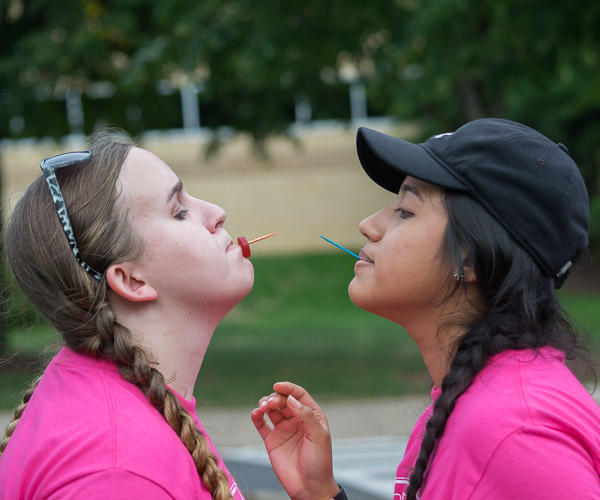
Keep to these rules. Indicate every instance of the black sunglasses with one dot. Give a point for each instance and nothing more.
(48, 166)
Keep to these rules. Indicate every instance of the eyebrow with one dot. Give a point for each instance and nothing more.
(174, 191)
(408, 188)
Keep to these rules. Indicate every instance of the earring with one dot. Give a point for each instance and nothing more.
(459, 274)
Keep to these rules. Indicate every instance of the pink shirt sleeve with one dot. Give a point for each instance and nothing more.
(538, 462)
(112, 484)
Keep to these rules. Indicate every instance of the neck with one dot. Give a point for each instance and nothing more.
(435, 332)
(176, 340)
(179, 352)
(436, 349)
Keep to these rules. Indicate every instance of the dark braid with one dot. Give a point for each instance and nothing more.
(519, 310)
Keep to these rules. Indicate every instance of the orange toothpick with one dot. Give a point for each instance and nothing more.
(245, 244)
(262, 238)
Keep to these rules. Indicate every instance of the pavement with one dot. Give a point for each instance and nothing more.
(369, 438)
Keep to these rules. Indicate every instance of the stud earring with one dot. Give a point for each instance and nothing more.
(459, 275)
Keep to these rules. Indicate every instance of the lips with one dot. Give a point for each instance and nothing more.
(364, 257)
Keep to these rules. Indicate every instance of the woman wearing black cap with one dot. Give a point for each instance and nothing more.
(487, 223)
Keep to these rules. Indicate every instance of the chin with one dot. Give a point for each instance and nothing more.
(246, 290)
(367, 302)
(246, 286)
(355, 296)
(233, 299)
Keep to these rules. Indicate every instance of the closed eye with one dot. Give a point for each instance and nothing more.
(181, 214)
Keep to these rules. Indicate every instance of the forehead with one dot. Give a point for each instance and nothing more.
(422, 188)
(145, 179)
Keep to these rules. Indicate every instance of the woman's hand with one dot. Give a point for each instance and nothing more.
(297, 438)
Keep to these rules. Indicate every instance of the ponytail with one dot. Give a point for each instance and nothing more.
(519, 310)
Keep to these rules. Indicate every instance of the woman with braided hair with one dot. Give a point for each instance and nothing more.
(487, 222)
(136, 288)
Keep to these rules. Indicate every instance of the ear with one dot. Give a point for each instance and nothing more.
(122, 281)
(469, 275)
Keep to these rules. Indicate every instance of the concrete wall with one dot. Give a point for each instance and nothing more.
(301, 192)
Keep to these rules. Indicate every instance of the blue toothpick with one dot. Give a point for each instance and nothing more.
(341, 247)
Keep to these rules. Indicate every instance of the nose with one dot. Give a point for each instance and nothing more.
(214, 216)
(371, 228)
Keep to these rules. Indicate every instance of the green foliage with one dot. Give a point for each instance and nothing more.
(18, 313)
(441, 62)
(534, 62)
(437, 62)
(253, 60)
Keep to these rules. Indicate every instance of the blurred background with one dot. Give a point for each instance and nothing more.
(255, 105)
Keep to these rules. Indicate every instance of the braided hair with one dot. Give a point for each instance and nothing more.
(517, 309)
(75, 303)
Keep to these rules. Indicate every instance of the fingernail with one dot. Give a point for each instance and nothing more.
(263, 404)
(270, 399)
(294, 402)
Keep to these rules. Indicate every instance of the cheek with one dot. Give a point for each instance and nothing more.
(405, 274)
(169, 252)
(415, 254)
(399, 262)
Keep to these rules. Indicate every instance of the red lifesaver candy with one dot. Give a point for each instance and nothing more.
(243, 242)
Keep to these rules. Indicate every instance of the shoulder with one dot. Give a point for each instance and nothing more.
(540, 462)
(527, 388)
(530, 462)
(523, 416)
(83, 419)
(111, 484)
(85, 398)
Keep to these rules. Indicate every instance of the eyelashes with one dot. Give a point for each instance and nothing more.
(181, 215)
(403, 213)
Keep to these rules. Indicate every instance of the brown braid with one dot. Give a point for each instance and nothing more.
(108, 339)
(18, 413)
(136, 367)
(75, 304)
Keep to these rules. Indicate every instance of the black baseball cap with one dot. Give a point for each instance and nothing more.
(527, 182)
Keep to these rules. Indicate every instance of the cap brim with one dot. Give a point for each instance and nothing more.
(388, 160)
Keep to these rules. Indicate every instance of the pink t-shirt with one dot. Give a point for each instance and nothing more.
(88, 433)
(525, 429)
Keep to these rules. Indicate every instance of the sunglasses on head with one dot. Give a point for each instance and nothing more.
(49, 166)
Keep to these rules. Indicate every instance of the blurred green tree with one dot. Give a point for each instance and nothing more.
(536, 62)
(437, 62)
(440, 62)
(253, 65)
(52, 53)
